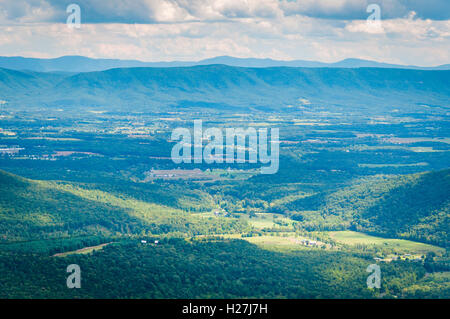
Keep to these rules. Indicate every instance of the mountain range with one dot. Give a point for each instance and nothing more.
(227, 88)
(77, 64)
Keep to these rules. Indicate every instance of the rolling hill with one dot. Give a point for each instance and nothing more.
(40, 210)
(415, 207)
(38, 219)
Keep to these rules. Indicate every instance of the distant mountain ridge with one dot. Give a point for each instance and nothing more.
(77, 64)
(227, 88)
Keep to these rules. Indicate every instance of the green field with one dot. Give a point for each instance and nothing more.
(83, 251)
(267, 220)
(401, 245)
(280, 242)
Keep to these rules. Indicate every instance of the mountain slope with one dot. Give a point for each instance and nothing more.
(14, 82)
(420, 209)
(413, 207)
(36, 210)
(228, 88)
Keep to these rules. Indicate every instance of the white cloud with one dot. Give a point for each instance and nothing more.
(409, 41)
(196, 29)
(149, 11)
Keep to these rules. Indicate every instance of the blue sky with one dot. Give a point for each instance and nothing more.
(410, 32)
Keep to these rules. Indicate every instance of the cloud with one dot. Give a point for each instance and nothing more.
(175, 11)
(155, 30)
(357, 9)
(21, 11)
(138, 11)
(404, 41)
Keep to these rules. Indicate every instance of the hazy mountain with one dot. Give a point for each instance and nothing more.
(227, 88)
(76, 64)
(347, 63)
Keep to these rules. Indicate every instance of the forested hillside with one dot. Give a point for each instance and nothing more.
(40, 218)
(210, 269)
(418, 209)
(411, 206)
(225, 88)
(34, 210)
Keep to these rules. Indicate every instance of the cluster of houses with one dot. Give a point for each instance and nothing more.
(401, 257)
(13, 150)
(222, 212)
(144, 242)
(309, 243)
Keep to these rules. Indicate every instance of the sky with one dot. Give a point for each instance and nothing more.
(410, 32)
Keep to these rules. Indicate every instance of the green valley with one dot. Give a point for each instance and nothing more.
(87, 177)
